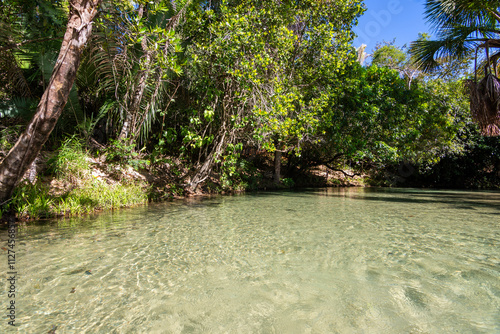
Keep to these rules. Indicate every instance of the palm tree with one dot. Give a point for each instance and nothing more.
(132, 63)
(462, 27)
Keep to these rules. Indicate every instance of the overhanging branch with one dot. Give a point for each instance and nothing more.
(343, 172)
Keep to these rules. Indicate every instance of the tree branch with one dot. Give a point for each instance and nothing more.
(340, 170)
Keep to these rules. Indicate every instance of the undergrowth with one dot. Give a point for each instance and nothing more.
(98, 195)
(8, 136)
(31, 200)
(71, 165)
(36, 201)
(71, 161)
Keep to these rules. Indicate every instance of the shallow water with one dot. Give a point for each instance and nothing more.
(319, 261)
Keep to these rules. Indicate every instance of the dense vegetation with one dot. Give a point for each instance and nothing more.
(215, 95)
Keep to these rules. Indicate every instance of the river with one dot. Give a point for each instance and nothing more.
(316, 261)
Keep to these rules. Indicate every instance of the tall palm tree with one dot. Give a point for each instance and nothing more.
(462, 27)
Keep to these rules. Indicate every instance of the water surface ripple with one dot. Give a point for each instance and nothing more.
(318, 261)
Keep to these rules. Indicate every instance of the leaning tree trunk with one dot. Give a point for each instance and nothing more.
(277, 167)
(203, 173)
(53, 100)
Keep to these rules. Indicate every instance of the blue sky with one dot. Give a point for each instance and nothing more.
(385, 20)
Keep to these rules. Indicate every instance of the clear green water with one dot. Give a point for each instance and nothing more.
(319, 261)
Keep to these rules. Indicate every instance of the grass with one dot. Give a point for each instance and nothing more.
(35, 200)
(72, 165)
(31, 200)
(71, 161)
(98, 195)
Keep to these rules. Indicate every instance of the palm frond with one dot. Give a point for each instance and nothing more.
(449, 13)
(426, 54)
(485, 104)
(13, 77)
(456, 42)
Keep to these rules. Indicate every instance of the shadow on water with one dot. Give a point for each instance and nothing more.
(109, 220)
(459, 199)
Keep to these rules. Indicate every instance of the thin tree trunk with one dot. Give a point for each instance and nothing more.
(133, 121)
(132, 113)
(277, 166)
(207, 166)
(29, 144)
(131, 118)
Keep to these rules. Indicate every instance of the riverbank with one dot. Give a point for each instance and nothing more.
(72, 181)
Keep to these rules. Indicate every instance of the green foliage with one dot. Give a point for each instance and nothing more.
(175, 190)
(70, 161)
(30, 34)
(18, 107)
(134, 58)
(288, 182)
(120, 151)
(475, 166)
(388, 55)
(125, 153)
(8, 136)
(396, 58)
(34, 200)
(377, 119)
(200, 81)
(71, 164)
(260, 72)
(457, 24)
(97, 195)
(31, 200)
(231, 168)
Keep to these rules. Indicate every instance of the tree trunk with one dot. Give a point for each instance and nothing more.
(53, 100)
(277, 166)
(130, 123)
(203, 173)
(32, 172)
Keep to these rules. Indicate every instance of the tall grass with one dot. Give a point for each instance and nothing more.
(71, 161)
(72, 165)
(32, 200)
(97, 195)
